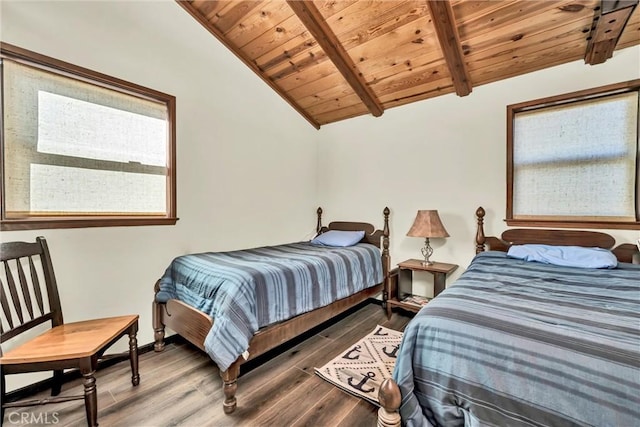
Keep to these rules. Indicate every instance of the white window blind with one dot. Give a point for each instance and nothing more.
(75, 148)
(577, 160)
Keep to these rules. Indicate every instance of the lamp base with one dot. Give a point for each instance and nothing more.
(427, 251)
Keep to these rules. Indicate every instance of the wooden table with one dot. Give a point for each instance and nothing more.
(398, 296)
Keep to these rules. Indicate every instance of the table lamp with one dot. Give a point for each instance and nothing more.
(427, 224)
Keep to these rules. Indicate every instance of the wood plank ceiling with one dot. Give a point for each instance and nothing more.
(336, 59)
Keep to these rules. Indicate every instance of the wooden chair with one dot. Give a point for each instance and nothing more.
(26, 303)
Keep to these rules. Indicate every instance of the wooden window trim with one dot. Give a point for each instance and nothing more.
(97, 220)
(579, 222)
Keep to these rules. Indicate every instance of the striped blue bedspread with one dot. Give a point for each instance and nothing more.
(515, 343)
(245, 290)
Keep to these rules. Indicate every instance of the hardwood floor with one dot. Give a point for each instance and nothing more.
(181, 386)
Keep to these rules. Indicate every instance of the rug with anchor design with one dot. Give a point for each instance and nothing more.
(361, 368)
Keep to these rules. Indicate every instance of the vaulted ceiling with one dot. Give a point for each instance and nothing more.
(336, 59)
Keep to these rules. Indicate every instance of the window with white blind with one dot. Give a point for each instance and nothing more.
(82, 149)
(573, 159)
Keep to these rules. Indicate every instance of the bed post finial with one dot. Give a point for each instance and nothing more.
(385, 237)
(386, 213)
(390, 399)
(386, 259)
(319, 224)
(480, 237)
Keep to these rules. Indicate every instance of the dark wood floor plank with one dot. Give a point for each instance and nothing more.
(292, 357)
(181, 386)
(176, 374)
(293, 405)
(143, 406)
(363, 414)
(251, 404)
(174, 409)
(169, 373)
(329, 411)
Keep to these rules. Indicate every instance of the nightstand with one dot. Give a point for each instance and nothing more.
(400, 292)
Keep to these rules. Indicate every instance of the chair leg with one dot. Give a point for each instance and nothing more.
(90, 398)
(56, 388)
(133, 354)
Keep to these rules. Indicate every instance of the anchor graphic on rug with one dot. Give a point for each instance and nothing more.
(355, 349)
(393, 352)
(360, 385)
(379, 332)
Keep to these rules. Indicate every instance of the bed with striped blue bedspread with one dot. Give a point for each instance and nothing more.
(248, 289)
(516, 343)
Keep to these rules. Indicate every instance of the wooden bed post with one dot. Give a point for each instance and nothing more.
(480, 238)
(390, 399)
(230, 385)
(319, 224)
(386, 260)
(158, 326)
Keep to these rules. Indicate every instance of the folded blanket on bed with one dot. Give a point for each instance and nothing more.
(248, 289)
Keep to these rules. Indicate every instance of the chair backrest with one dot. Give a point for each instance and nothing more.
(29, 294)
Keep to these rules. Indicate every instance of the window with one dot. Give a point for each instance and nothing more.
(572, 160)
(81, 149)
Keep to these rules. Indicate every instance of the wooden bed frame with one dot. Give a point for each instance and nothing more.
(194, 325)
(389, 392)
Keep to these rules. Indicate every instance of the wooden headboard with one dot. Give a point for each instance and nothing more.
(626, 252)
(371, 235)
(379, 238)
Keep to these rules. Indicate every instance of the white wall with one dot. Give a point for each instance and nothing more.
(446, 153)
(246, 160)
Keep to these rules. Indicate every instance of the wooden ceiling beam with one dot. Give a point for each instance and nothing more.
(447, 32)
(195, 13)
(609, 21)
(313, 20)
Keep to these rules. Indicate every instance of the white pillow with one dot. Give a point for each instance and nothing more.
(568, 256)
(338, 238)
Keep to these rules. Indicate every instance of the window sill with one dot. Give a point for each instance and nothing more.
(75, 222)
(573, 224)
